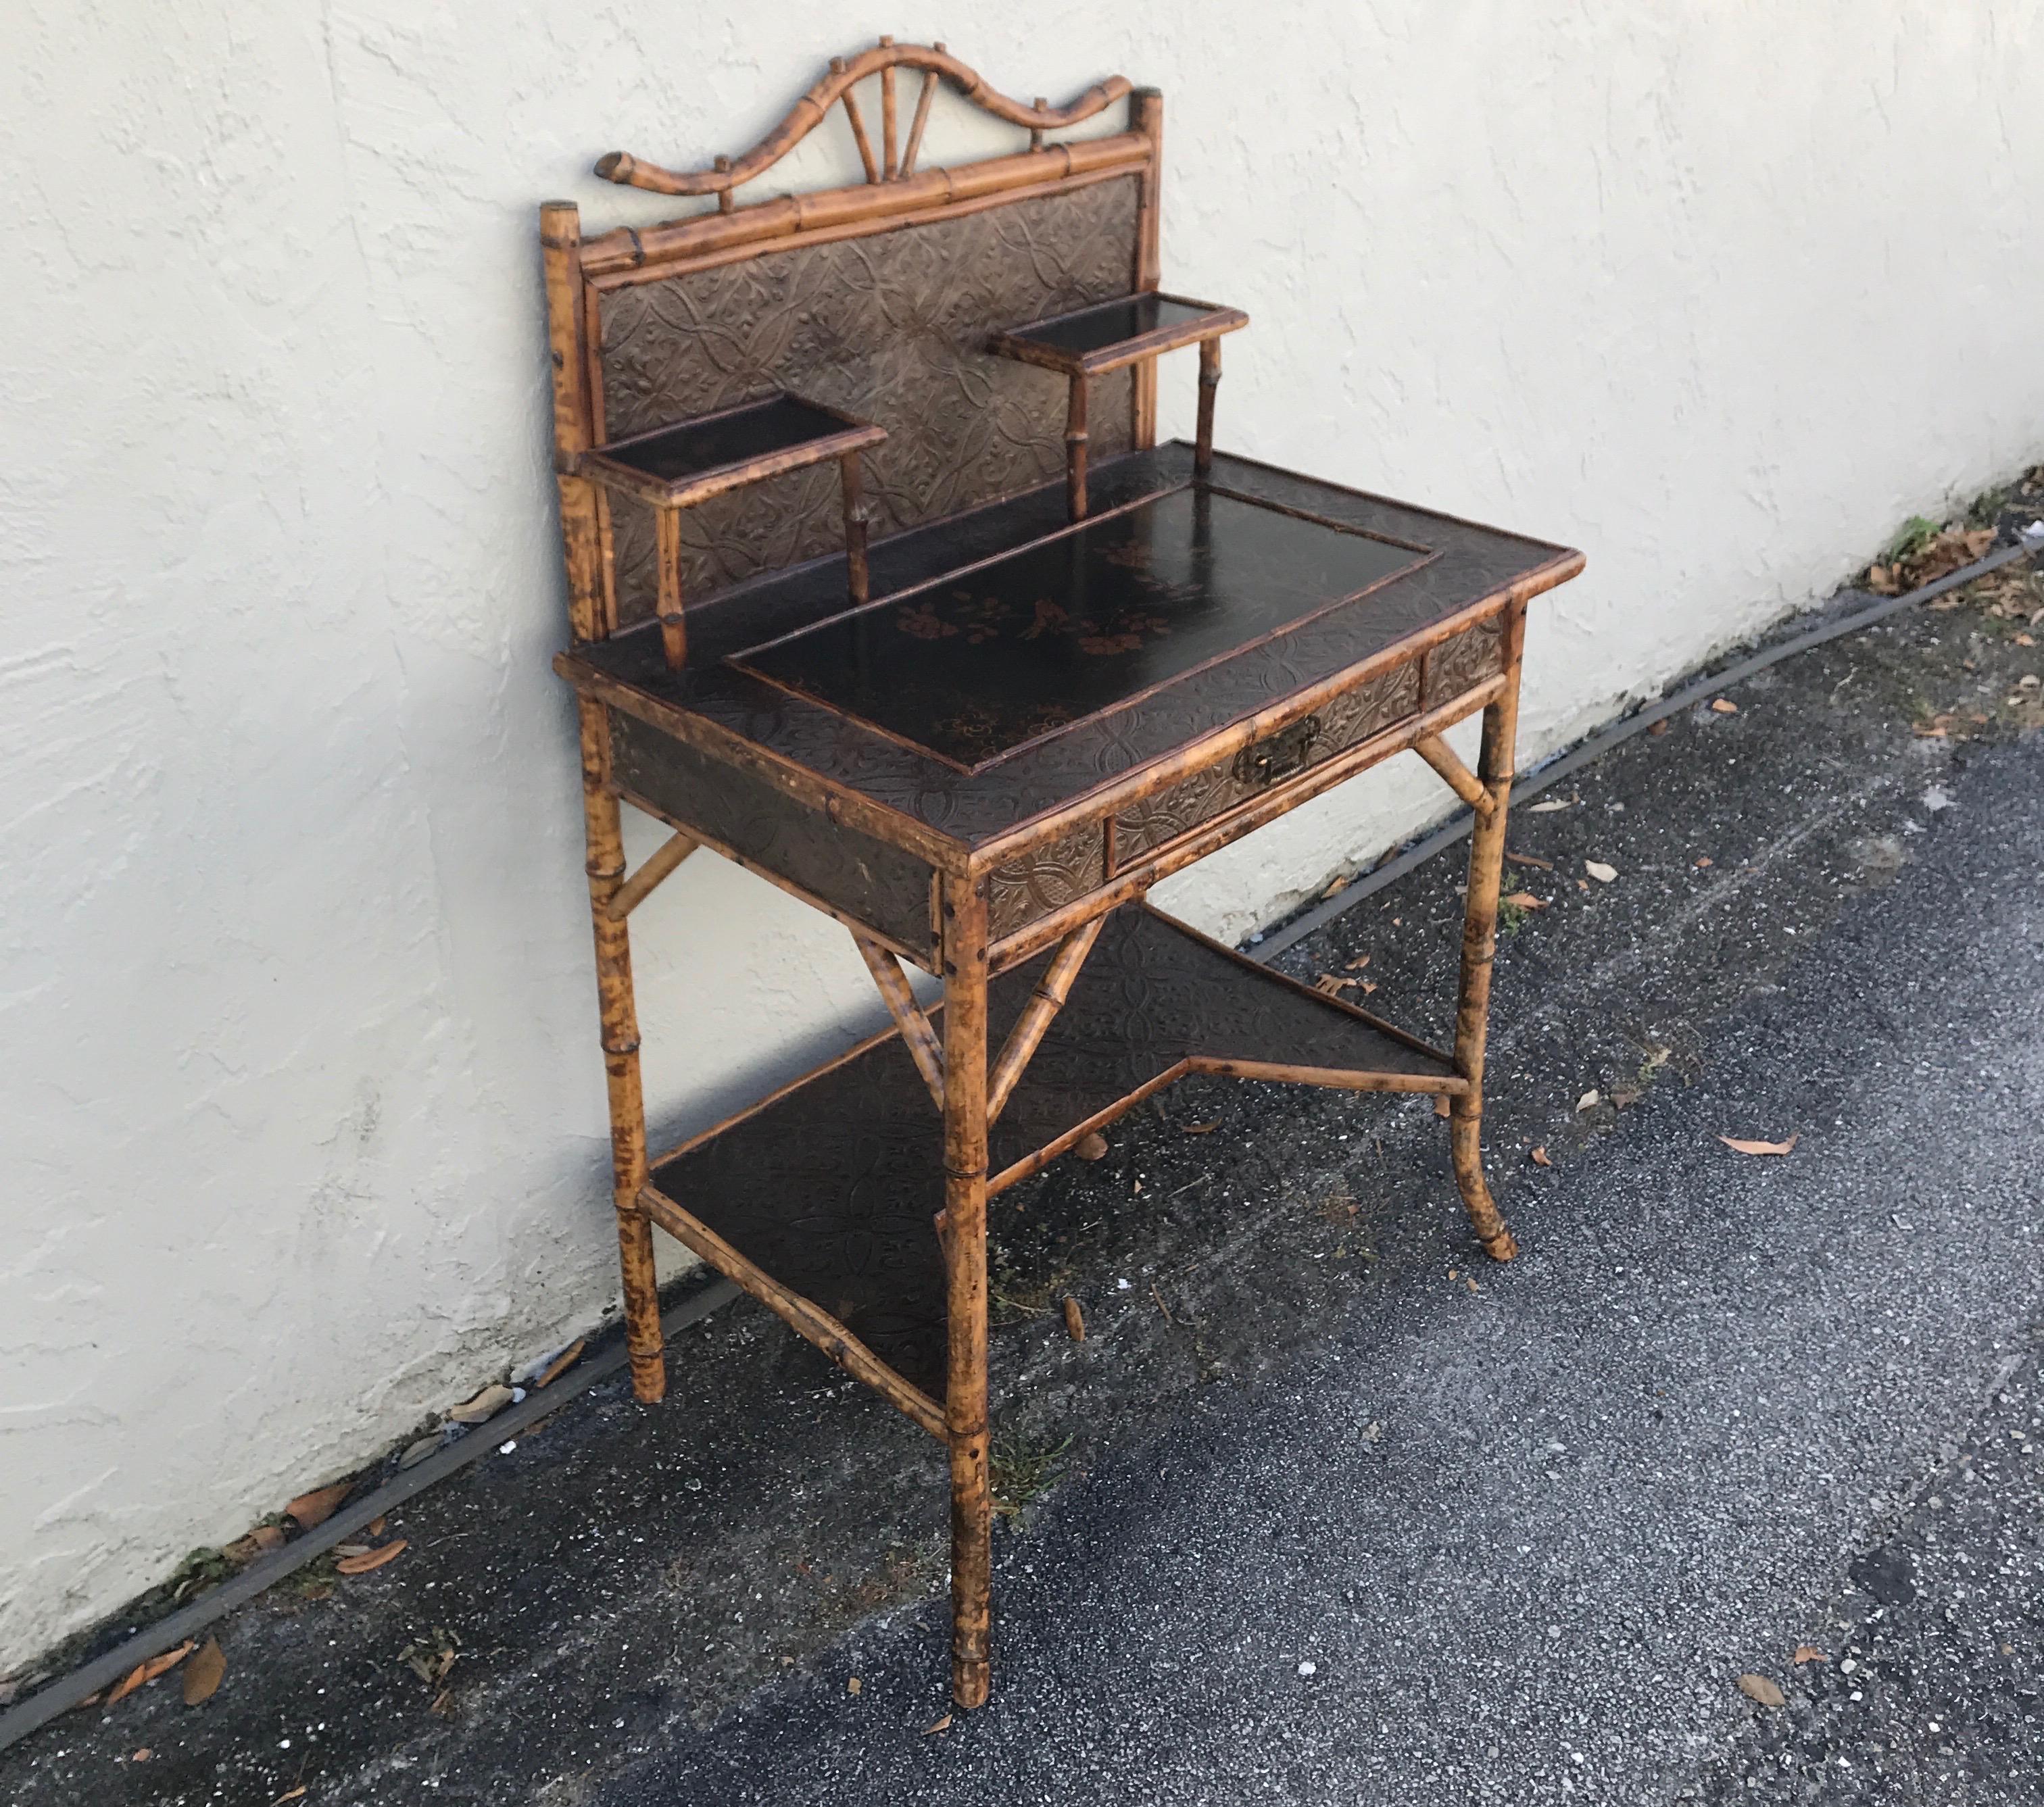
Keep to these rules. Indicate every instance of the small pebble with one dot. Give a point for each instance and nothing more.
(506, 1448)
(1311, 1668)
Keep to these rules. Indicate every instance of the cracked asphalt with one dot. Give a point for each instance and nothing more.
(1339, 1510)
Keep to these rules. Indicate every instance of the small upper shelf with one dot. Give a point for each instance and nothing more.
(1109, 334)
(677, 466)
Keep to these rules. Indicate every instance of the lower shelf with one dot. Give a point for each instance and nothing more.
(830, 1186)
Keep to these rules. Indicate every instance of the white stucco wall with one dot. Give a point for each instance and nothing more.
(302, 1115)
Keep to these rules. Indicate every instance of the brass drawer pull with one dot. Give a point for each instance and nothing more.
(1264, 763)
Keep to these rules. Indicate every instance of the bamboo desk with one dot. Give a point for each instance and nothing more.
(978, 740)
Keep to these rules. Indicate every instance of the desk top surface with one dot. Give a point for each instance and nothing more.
(1011, 662)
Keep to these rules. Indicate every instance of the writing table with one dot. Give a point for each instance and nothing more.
(1063, 666)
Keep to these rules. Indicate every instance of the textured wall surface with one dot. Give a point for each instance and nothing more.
(301, 1108)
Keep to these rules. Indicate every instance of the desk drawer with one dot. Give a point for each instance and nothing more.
(1142, 828)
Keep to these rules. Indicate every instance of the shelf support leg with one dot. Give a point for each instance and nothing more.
(962, 1231)
(1075, 450)
(1486, 874)
(605, 866)
(917, 1036)
(1037, 1015)
(859, 582)
(1209, 381)
(673, 619)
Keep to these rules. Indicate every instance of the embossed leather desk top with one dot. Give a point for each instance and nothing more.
(1011, 664)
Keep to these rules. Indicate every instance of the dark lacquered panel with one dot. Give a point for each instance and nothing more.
(779, 424)
(1095, 329)
(867, 880)
(1075, 626)
(831, 1188)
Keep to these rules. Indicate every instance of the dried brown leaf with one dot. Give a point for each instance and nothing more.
(1758, 1688)
(1724, 706)
(1525, 900)
(1442, 1107)
(1075, 1319)
(852, 1684)
(1589, 1099)
(944, 1724)
(1809, 1653)
(1357, 965)
(484, 1406)
(1091, 1146)
(372, 1559)
(1540, 1157)
(1328, 985)
(1530, 860)
(1201, 1129)
(561, 1363)
(1335, 886)
(1746, 1147)
(204, 1673)
(1659, 727)
(319, 1505)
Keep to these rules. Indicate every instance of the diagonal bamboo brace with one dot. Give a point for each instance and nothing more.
(921, 1038)
(1454, 774)
(640, 885)
(1044, 1003)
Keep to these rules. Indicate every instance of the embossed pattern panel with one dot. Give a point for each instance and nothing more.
(890, 328)
(1352, 717)
(831, 1188)
(1465, 662)
(867, 879)
(1046, 879)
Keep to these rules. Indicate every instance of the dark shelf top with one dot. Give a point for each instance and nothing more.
(1110, 334)
(1070, 626)
(694, 460)
(830, 1186)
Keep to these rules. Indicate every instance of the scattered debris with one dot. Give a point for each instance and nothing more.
(944, 1724)
(1309, 1667)
(1659, 728)
(1335, 886)
(1809, 1653)
(561, 1363)
(1589, 1099)
(852, 1684)
(258, 1542)
(366, 1560)
(1540, 1157)
(148, 1672)
(1201, 1129)
(1758, 1688)
(1357, 965)
(1599, 871)
(432, 1659)
(1551, 805)
(317, 1507)
(1746, 1147)
(417, 1452)
(204, 1673)
(1525, 900)
(1442, 1106)
(1517, 860)
(1091, 1146)
(1329, 986)
(1921, 553)
(1075, 1319)
(483, 1407)
(1724, 706)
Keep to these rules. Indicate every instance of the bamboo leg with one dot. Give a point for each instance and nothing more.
(1209, 381)
(1486, 872)
(1075, 450)
(962, 1229)
(605, 866)
(858, 578)
(674, 620)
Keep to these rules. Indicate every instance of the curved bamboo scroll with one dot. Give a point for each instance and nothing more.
(936, 63)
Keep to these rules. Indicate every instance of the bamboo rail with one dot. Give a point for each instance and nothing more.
(836, 87)
(917, 1036)
(1045, 1002)
(659, 865)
